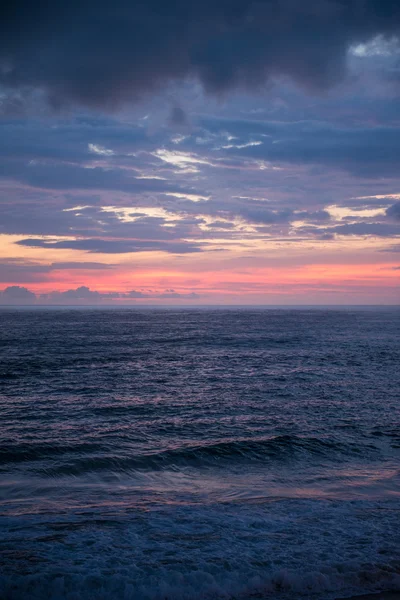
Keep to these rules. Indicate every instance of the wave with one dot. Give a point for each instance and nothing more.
(197, 584)
(282, 446)
(92, 457)
(15, 453)
(390, 432)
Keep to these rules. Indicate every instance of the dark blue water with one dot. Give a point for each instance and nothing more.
(150, 454)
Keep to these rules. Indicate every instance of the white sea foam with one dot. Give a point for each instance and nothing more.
(313, 548)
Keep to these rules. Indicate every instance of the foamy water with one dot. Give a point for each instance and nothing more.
(199, 454)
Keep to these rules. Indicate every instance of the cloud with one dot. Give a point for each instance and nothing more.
(395, 248)
(81, 293)
(136, 294)
(15, 270)
(89, 266)
(70, 177)
(316, 215)
(172, 295)
(261, 214)
(106, 54)
(359, 229)
(16, 294)
(221, 225)
(178, 117)
(22, 270)
(394, 211)
(95, 245)
(366, 151)
(250, 210)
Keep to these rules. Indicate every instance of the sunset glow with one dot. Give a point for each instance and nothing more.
(283, 190)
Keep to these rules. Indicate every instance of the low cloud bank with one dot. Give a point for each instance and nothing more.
(16, 295)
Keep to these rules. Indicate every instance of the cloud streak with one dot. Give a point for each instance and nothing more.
(94, 245)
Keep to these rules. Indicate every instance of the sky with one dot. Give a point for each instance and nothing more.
(182, 152)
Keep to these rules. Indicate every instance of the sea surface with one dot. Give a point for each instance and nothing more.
(199, 454)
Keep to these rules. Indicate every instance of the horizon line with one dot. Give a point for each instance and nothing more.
(193, 307)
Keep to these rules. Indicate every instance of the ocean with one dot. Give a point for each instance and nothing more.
(199, 454)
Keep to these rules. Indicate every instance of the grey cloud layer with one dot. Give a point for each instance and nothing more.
(233, 157)
(94, 245)
(213, 174)
(14, 270)
(16, 295)
(97, 53)
(363, 151)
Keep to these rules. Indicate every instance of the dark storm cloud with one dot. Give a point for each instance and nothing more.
(99, 53)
